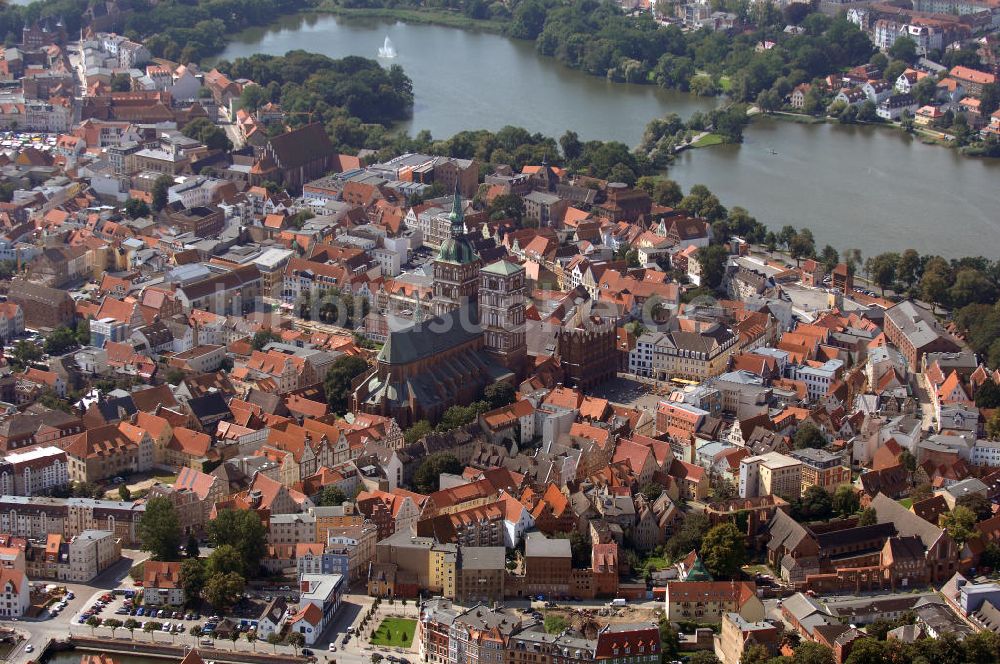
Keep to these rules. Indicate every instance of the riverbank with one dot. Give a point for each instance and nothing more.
(415, 15)
(162, 651)
(923, 134)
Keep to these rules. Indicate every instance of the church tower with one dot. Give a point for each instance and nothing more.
(501, 314)
(456, 268)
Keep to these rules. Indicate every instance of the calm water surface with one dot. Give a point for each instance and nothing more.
(475, 80)
(854, 187)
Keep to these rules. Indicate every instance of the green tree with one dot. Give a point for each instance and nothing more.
(688, 537)
(904, 49)
(712, 260)
(908, 267)
(224, 560)
(882, 269)
(829, 257)
(135, 208)
(61, 340)
(846, 500)
(204, 131)
(159, 192)
(723, 550)
(93, 622)
(82, 332)
(159, 530)
(815, 503)
(701, 202)
(274, 639)
(113, 624)
(869, 517)
(667, 192)
(867, 651)
(988, 395)
(990, 557)
(262, 338)
(506, 206)
(131, 624)
(192, 578)
(810, 652)
(670, 644)
(124, 493)
(978, 504)
(960, 524)
(243, 530)
(935, 281)
(222, 591)
(25, 354)
(338, 381)
(419, 429)
(331, 495)
(802, 245)
(428, 473)
(993, 426)
(702, 657)
(755, 653)
(296, 641)
(809, 435)
(651, 491)
(499, 394)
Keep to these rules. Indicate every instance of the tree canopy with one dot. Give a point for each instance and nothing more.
(723, 550)
(337, 383)
(243, 531)
(426, 478)
(323, 88)
(160, 530)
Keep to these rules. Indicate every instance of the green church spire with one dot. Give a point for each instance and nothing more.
(457, 215)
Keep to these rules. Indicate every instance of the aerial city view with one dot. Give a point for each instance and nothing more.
(500, 332)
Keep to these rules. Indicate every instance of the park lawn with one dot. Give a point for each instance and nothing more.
(725, 83)
(392, 630)
(707, 140)
(906, 502)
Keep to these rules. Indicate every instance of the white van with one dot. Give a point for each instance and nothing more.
(618, 601)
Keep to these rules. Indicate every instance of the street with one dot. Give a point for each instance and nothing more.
(41, 630)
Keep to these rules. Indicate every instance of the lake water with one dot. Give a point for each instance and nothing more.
(854, 187)
(476, 80)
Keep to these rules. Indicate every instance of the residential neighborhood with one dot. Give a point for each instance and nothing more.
(267, 396)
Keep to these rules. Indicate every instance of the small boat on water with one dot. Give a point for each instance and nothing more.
(773, 151)
(387, 50)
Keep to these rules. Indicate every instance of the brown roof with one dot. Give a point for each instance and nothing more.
(302, 146)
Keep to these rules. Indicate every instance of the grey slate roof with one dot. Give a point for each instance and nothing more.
(431, 337)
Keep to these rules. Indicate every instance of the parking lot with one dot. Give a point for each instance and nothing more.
(119, 604)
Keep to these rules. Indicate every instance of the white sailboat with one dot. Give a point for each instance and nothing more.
(387, 50)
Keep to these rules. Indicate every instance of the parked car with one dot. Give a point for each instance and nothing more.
(29, 648)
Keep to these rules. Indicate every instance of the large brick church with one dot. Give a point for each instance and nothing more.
(475, 337)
